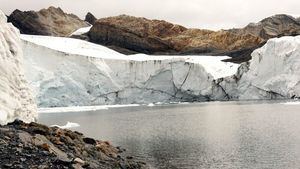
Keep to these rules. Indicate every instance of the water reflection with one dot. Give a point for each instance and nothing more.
(207, 135)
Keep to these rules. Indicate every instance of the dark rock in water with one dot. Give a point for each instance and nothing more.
(90, 18)
(37, 146)
(52, 21)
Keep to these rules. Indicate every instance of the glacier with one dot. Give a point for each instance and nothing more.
(16, 101)
(273, 72)
(70, 72)
(66, 72)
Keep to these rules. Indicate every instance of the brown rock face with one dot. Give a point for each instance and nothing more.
(128, 34)
(134, 34)
(90, 18)
(160, 37)
(52, 21)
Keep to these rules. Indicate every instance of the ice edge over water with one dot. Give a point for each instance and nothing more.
(67, 126)
(292, 103)
(82, 108)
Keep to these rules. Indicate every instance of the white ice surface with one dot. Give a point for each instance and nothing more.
(68, 125)
(275, 68)
(292, 103)
(82, 108)
(212, 64)
(273, 72)
(70, 72)
(16, 101)
(82, 30)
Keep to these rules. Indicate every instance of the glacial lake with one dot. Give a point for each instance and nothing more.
(214, 135)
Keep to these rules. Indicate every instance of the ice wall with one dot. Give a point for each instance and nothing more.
(16, 101)
(71, 72)
(273, 72)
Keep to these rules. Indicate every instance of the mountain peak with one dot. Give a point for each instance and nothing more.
(51, 21)
(90, 18)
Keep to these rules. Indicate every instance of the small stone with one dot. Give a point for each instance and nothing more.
(89, 140)
(7, 165)
(28, 155)
(86, 165)
(79, 161)
(45, 146)
(76, 166)
(63, 161)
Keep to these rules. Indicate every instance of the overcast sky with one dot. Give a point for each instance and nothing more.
(211, 14)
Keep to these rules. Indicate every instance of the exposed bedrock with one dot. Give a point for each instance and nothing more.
(128, 35)
(51, 21)
(131, 35)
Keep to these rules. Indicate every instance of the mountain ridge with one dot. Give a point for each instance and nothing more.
(130, 35)
(48, 21)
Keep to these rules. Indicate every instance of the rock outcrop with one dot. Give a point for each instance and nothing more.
(16, 101)
(90, 18)
(52, 21)
(160, 37)
(130, 35)
(37, 146)
(271, 27)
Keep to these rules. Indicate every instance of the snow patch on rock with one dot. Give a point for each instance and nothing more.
(82, 31)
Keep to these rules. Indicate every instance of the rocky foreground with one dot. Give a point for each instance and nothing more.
(34, 145)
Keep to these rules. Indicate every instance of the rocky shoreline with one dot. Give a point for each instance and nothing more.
(35, 145)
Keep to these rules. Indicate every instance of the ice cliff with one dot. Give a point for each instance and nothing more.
(71, 72)
(273, 72)
(16, 101)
